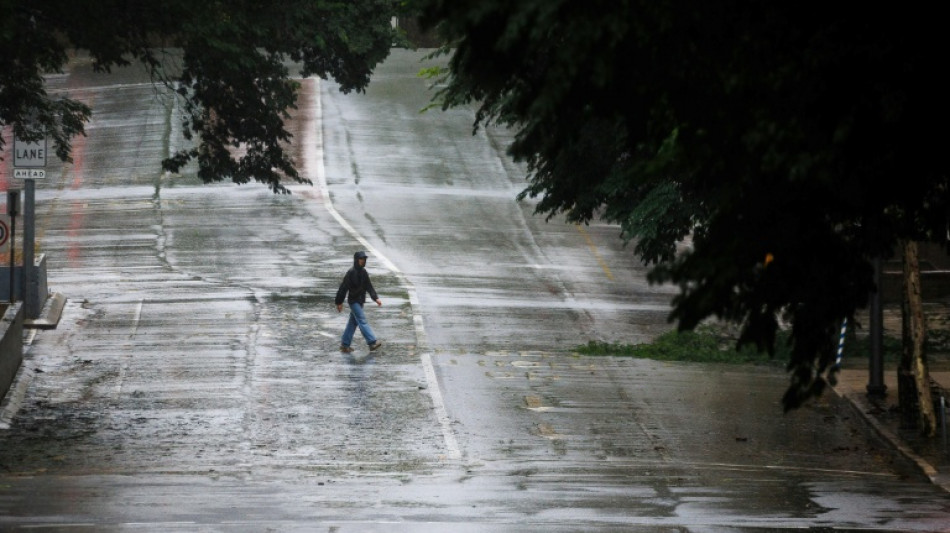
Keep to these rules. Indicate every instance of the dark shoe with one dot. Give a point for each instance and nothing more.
(375, 346)
(346, 349)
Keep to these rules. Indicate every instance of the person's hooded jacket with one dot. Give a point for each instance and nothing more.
(356, 284)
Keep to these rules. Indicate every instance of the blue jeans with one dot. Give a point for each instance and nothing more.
(357, 318)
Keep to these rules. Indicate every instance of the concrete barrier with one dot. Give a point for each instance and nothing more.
(11, 346)
(40, 292)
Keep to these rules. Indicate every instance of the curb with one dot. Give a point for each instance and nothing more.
(861, 406)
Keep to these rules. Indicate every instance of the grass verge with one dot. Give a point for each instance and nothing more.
(712, 344)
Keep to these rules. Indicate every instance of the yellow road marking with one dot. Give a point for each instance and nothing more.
(593, 249)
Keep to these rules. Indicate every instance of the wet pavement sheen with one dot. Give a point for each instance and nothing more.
(194, 382)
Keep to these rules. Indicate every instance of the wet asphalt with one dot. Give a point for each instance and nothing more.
(194, 382)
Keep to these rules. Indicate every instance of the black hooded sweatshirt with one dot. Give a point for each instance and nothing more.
(356, 282)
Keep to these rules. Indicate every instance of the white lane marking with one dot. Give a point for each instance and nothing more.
(314, 155)
(127, 362)
(137, 318)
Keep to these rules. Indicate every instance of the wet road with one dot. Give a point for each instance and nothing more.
(194, 382)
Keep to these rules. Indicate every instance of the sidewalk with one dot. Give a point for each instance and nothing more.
(932, 456)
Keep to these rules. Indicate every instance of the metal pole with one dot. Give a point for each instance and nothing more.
(876, 386)
(13, 196)
(30, 298)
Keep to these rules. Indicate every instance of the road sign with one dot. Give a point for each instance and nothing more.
(4, 233)
(29, 154)
(29, 173)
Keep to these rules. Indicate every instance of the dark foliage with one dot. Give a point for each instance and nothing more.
(226, 60)
(805, 133)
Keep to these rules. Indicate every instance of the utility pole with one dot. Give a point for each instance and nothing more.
(876, 386)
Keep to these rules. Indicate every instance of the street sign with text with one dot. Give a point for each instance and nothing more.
(29, 173)
(29, 154)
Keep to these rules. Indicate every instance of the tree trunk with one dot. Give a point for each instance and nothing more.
(913, 359)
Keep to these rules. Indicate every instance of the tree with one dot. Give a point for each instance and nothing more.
(788, 131)
(912, 373)
(226, 60)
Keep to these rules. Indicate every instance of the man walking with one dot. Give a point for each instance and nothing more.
(354, 287)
